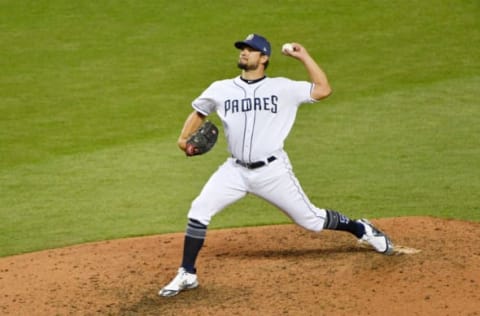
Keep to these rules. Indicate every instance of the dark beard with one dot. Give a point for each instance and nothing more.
(246, 67)
(242, 66)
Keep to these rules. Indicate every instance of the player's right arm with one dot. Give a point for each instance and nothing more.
(321, 88)
(192, 123)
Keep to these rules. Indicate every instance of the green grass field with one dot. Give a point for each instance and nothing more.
(93, 95)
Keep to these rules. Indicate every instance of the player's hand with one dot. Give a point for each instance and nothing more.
(298, 52)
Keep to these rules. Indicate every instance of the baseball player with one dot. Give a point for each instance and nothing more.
(257, 113)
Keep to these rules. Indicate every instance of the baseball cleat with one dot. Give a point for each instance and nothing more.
(182, 281)
(375, 238)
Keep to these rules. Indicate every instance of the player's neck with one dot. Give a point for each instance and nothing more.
(252, 76)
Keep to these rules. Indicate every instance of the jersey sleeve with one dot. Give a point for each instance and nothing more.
(303, 91)
(205, 103)
(297, 92)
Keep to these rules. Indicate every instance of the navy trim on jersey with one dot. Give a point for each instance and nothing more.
(312, 100)
(252, 81)
(245, 119)
(254, 123)
(253, 132)
(244, 134)
(199, 111)
(300, 191)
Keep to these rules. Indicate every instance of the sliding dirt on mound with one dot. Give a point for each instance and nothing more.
(274, 270)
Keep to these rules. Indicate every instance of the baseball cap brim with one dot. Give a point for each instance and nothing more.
(257, 42)
(242, 44)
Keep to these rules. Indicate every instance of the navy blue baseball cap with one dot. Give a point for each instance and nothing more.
(256, 42)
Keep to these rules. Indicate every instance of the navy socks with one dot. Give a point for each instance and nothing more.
(338, 221)
(194, 239)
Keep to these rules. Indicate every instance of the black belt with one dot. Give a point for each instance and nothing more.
(256, 164)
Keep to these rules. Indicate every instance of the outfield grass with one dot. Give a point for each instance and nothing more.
(93, 95)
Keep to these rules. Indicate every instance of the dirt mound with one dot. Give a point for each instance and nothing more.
(269, 270)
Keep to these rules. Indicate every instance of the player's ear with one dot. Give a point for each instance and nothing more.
(264, 59)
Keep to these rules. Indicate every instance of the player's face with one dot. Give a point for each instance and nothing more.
(249, 59)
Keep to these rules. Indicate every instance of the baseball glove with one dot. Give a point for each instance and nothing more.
(202, 140)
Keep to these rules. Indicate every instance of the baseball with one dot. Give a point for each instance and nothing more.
(287, 48)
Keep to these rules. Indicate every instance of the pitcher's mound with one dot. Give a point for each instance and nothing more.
(271, 270)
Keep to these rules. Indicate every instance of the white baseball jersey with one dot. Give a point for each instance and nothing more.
(256, 117)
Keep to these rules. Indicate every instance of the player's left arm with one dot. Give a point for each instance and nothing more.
(321, 88)
(192, 123)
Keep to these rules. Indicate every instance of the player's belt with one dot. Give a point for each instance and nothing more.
(256, 164)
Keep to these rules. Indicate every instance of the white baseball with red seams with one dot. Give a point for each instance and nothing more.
(287, 48)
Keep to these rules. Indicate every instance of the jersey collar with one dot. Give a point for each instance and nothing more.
(252, 81)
